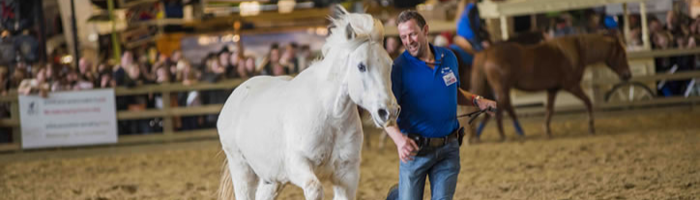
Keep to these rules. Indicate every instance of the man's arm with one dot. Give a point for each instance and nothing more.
(468, 99)
(405, 146)
(465, 98)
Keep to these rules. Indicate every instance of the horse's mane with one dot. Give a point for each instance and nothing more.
(364, 26)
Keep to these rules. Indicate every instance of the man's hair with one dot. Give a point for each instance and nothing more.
(407, 15)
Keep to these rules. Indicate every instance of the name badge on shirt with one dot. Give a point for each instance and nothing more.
(449, 77)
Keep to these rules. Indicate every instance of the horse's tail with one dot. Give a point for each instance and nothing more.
(225, 184)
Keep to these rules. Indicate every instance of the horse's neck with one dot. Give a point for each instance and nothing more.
(328, 78)
(594, 51)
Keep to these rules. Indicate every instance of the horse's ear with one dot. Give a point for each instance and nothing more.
(339, 11)
(349, 32)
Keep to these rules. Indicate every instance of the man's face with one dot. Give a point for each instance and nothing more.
(414, 38)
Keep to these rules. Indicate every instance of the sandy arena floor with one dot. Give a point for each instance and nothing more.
(635, 155)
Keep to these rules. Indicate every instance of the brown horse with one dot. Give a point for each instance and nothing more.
(465, 61)
(553, 65)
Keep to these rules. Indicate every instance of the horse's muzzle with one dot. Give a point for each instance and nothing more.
(387, 114)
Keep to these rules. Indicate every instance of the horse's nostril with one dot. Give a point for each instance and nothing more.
(382, 113)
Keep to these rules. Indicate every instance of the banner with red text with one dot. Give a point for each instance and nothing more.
(68, 119)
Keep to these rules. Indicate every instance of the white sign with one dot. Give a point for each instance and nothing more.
(68, 119)
(653, 6)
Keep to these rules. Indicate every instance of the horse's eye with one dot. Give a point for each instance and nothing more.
(362, 67)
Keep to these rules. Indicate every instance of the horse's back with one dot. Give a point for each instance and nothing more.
(529, 67)
(248, 125)
(257, 89)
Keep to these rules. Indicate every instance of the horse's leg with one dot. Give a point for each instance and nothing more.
(578, 92)
(482, 125)
(345, 180)
(475, 132)
(499, 122)
(302, 174)
(502, 98)
(551, 95)
(267, 190)
(511, 111)
(244, 179)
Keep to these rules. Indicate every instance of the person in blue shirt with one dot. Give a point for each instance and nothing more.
(425, 82)
(472, 36)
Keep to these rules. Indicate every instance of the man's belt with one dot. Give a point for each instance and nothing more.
(423, 142)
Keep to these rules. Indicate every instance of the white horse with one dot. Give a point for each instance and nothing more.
(277, 130)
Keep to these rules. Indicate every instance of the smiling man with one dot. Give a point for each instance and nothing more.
(425, 82)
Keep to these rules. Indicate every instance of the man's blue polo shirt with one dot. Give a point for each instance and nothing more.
(428, 97)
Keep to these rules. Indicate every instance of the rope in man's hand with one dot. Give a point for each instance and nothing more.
(473, 115)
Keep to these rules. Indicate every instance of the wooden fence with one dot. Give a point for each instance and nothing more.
(167, 113)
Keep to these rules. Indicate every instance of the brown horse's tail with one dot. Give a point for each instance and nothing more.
(225, 184)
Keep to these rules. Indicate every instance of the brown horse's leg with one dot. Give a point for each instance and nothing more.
(509, 107)
(503, 99)
(499, 122)
(501, 89)
(578, 92)
(476, 132)
(551, 95)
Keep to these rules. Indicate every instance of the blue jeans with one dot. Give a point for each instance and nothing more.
(441, 165)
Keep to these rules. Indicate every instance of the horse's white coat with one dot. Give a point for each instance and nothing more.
(277, 130)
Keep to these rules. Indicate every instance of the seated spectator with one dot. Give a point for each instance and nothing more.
(17, 77)
(564, 26)
(224, 61)
(289, 59)
(214, 71)
(87, 73)
(662, 40)
(66, 82)
(593, 24)
(187, 74)
(36, 85)
(273, 67)
(393, 47)
(247, 67)
(106, 79)
(232, 69)
(162, 75)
